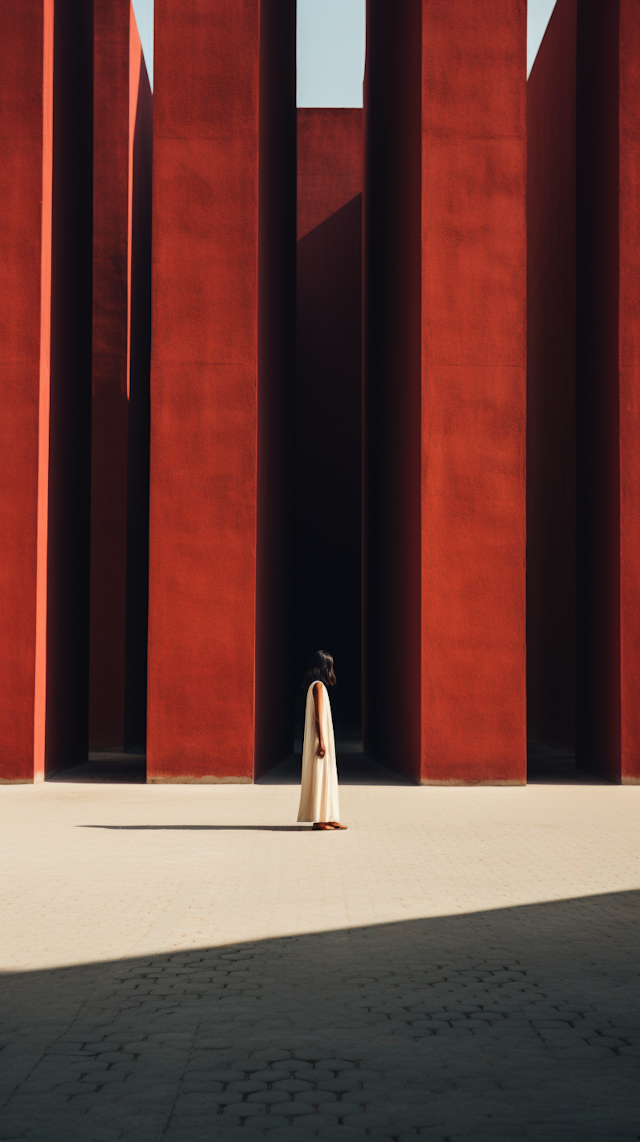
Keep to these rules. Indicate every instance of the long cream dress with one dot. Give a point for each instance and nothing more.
(319, 792)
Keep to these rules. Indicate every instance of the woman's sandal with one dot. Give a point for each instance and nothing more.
(323, 826)
(337, 825)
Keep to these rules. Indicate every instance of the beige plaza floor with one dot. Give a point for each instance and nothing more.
(183, 963)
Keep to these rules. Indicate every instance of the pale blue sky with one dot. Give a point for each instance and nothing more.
(331, 47)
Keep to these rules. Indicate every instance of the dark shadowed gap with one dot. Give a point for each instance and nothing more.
(328, 410)
(70, 414)
(597, 388)
(392, 384)
(137, 599)
(328, 458)
(551, 391)
(109, 381)
(276, 384)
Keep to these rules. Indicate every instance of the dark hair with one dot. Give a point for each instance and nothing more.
(320, 670)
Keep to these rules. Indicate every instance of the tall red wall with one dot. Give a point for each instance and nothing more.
(122, 108)
(445, 389)
(551, 384)
(45, 285)
(328, 479)
(608, 538)
(629, 364)
(205, 424)
(26, 83)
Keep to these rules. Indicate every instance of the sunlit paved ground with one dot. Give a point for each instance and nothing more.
(185, 963)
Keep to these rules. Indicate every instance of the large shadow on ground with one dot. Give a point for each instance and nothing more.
(513, 1023)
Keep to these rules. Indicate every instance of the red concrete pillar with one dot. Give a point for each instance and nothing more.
(329, 397)
(122, 109)
(223, 305)
(608, 383)
(444, 209)
(551, 378)
(45, 342)
(26, 79)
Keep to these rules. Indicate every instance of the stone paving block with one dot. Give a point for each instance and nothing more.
(271, 1055)
(314, 1122)
(246, 1086)
(350, 1134)
(245, 1110)
(201, 1125)
(368, 1094)
(362, 1074)
(422, 1096)
(300, 1109)
(336, 1064)
(295, 1134)
(279, 1072)
(277, 1098)
(349, 1082)
(103, 1078)
(229, 1132)
(378, 1123)
(187, 1104)
(333, 1110)
(246, 1066)
(143, 1092)
(309, 1074)
(12, 1129)
(269, 1122)
(201, 1086)
(216, 1074)
(148, 1124)
(317, 1097)
(292, 1086)
(135, 1132)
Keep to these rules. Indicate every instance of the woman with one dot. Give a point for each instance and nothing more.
(319, 792)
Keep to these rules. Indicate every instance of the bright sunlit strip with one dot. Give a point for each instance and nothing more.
(538, 16)
(331, 47)
(144, 19)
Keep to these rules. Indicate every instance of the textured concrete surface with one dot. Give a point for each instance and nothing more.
(444, 388)
(186, 963)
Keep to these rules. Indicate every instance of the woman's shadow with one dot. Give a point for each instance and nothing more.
(206, 828)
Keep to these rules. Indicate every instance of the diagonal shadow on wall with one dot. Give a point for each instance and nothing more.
(511, 1023)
